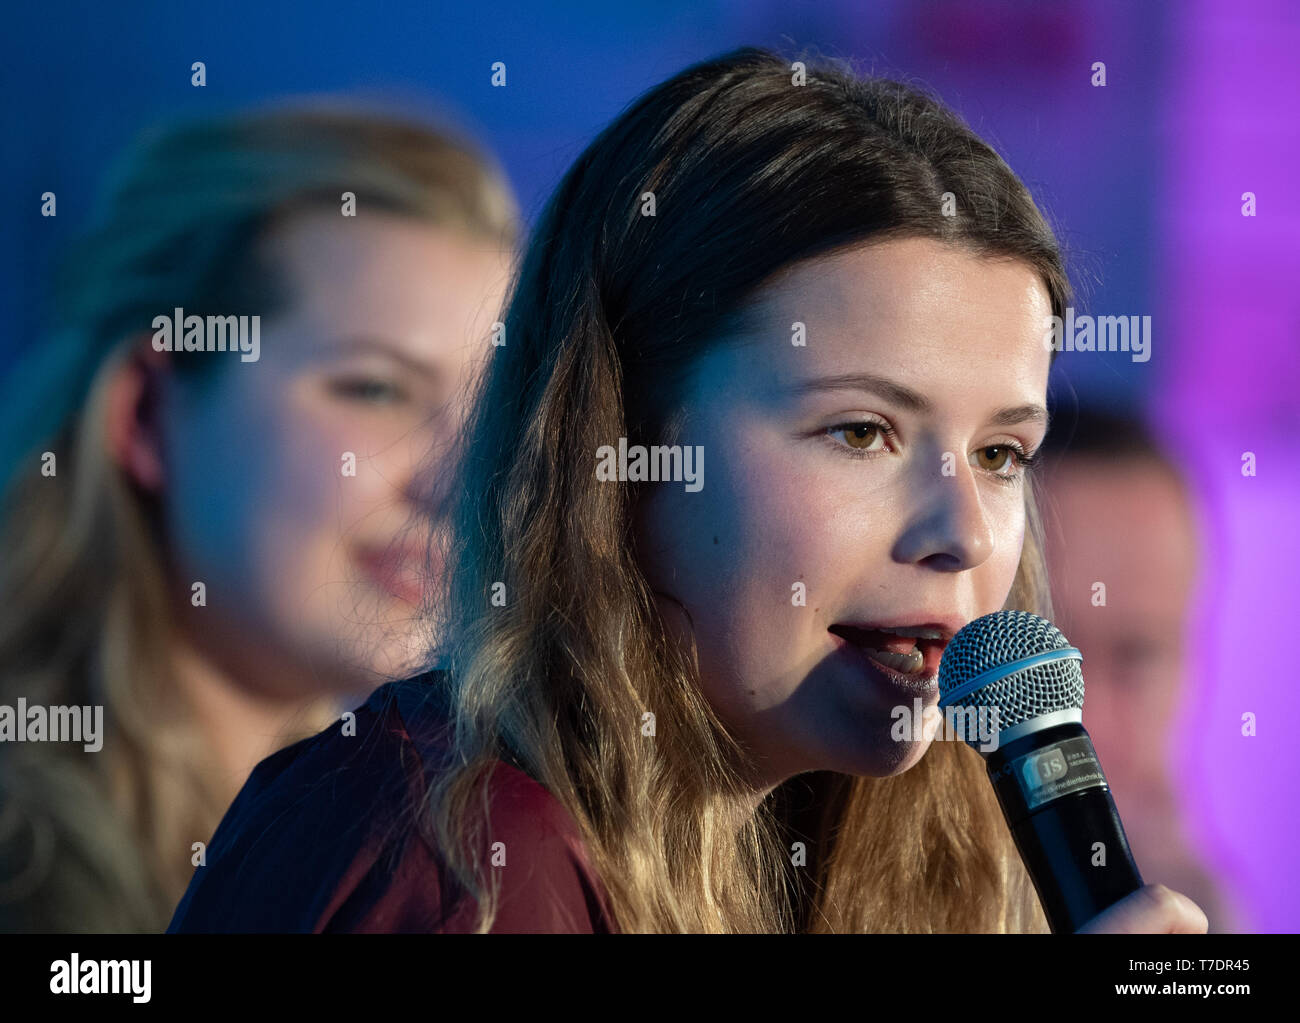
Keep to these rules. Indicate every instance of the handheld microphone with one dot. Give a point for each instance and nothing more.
(1043, 767)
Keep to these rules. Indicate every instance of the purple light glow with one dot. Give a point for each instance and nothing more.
(1229, 318)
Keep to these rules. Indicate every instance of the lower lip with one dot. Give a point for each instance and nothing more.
(896, 682)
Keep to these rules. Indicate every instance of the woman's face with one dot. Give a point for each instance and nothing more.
(292, 487)
(868, 468)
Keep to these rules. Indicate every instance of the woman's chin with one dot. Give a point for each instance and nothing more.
(886, 760)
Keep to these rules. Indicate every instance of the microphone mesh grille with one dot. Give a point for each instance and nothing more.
(998, 639)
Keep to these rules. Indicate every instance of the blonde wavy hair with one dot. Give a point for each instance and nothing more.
(751, 172)
(101, 842)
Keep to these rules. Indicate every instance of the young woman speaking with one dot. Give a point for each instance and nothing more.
(666, 709)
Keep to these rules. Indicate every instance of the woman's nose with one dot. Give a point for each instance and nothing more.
(950, 529)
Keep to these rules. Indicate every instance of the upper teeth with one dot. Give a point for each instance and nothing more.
(914, 633)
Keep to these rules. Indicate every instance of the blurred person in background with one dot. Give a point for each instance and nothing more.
(1120, 513)
(296, 487)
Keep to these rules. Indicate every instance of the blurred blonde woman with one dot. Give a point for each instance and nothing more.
(220, 547)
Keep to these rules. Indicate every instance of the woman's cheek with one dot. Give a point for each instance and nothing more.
(358, 462)
(1009, 547)
(323, 515)
(300, 513)
(303, 521)
(1013, 538)
(806, 537)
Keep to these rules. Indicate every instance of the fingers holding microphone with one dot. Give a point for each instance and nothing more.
(1152, 909)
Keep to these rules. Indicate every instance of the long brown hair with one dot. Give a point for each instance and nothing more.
(751, 171)
(102, 842)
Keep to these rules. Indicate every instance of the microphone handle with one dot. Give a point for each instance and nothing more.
(1058, 806)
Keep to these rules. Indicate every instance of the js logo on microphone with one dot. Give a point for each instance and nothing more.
(1045, 768)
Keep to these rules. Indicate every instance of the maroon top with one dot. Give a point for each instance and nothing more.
(320, 838)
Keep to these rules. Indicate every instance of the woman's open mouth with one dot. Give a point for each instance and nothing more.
(913, 651)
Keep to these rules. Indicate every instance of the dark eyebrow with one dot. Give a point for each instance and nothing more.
(910, 399)
(887, 389)
(1020, 414)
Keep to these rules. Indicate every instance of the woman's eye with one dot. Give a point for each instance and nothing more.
(996, 458)
(860, 436)
(368, 389)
